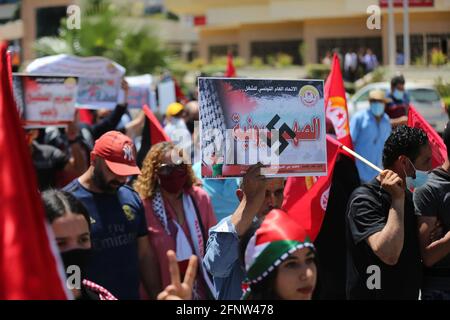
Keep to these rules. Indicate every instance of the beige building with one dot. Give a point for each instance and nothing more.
(266, 27)
(39, 18)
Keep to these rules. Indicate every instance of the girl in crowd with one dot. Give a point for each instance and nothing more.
(70, 222)
(178, 213)
(280, 261)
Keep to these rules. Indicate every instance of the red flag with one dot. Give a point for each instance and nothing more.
(336, 103)
(231, 71)
(308, 208)
(157, 133)
(179, 95)
(28, 266)
(438, 148)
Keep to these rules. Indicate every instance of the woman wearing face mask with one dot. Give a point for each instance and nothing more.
(178, 213)
(280, 261)
(70, 222)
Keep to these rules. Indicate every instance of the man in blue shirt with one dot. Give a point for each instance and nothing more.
(223, 258)
(369, 130)
(221, 191)
(122, 257)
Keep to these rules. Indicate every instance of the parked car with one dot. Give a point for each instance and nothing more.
(425, 98)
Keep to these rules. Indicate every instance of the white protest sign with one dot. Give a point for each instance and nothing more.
(280, 123)
(166, 95)
(99, 78)
(45, 100)
(139, 91)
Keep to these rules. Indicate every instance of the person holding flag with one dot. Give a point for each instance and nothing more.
(383, 248)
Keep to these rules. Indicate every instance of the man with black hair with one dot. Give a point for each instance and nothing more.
(383, 258)
(397, 108)
(432, 201)
(228, 239)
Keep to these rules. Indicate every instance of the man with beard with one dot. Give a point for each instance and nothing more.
(257, 195)
(122, 257)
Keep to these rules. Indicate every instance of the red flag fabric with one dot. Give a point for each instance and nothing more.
(438, 148)
(308, 208)
(336, 103)
(157, 133)
(179, 95)
(231, 71)
(28, 266)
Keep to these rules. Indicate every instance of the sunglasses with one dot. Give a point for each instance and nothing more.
(166, 169)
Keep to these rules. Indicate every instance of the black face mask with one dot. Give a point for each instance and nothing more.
(77, 257)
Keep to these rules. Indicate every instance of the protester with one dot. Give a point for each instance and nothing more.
(178, 213)
(221, 191)
(397, 108)
(369, 130)
(49, 161)
(370, 61)
(178, 290)
(280, 261)
(257, 197)
(350, 65)
(433, 209)
(175, 126)
(122, 257)
(383, 248)
(71, 224)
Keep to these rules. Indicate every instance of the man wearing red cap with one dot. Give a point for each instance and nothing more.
(122, 257)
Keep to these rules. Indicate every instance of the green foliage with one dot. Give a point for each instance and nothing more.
(284, 60)
(438, 58)
(102, 34)
(317, 71)
(257, 62)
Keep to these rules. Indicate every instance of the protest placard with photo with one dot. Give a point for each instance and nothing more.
(99, 78)
(139, 91)
(280, 123)
(45, 100)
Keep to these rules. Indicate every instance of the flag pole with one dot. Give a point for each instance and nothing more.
(367, 162)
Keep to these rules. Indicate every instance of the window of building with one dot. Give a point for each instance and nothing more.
(346, 44)
(222, 50)
(48, 20)
(266, 49)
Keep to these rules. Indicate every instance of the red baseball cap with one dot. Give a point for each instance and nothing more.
(118, 152)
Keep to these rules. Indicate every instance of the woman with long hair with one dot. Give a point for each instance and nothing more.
(70, 222)
(178, 213)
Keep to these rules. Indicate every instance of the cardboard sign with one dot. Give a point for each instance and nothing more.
(280, 123)
(139, 91)
(99, 78)
(166, 95)
(45, 100)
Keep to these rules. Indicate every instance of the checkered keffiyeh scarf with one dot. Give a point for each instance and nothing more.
(102, 292)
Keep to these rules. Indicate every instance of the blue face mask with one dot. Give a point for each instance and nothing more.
(419, 180)
(397, 94)
(377, 108)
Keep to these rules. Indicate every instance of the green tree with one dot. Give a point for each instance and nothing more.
(102, 34)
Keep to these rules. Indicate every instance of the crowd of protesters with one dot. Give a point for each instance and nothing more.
(155, 229)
